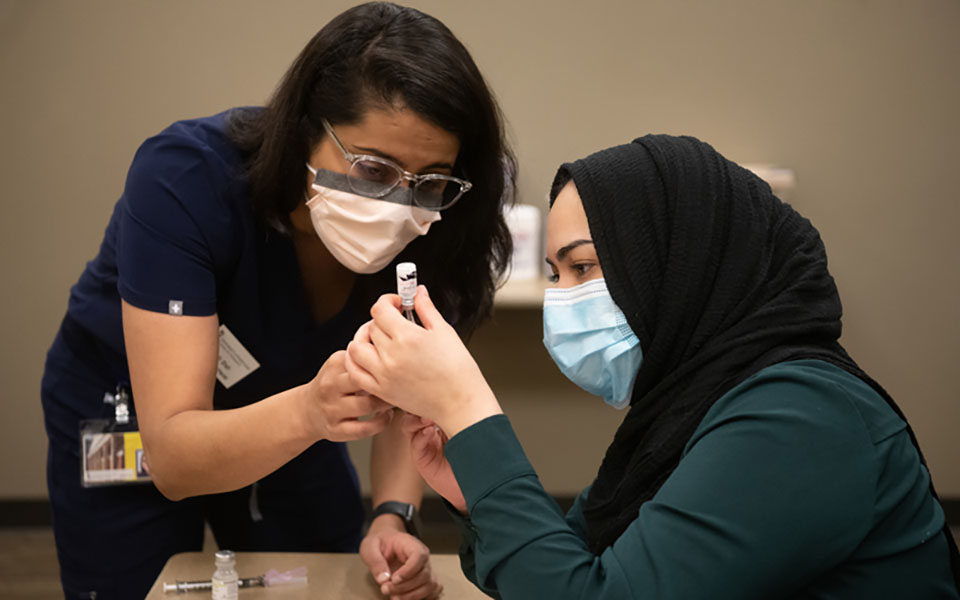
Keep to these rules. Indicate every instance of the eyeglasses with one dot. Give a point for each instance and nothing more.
(376, 177)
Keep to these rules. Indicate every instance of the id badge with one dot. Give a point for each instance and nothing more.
(111, 451)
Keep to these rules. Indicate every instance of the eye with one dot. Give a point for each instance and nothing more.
(372, 171)
(582, 269)
(554, 276)
(432, 187)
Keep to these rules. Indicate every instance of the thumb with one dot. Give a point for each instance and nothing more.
(428, 313)
(377, 563)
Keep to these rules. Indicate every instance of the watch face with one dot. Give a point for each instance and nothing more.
(404, 510)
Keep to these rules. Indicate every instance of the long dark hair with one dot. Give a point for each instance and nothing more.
(381, 55)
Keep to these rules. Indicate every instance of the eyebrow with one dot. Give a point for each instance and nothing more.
(562, 252)
(382, 154)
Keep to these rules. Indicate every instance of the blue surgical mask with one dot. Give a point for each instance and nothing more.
(589, 339)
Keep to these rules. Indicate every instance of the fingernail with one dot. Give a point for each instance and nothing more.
(396, 579)
(382, 577)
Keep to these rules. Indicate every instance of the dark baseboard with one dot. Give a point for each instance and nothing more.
(25, 513)
(951, 508)
(36, 513)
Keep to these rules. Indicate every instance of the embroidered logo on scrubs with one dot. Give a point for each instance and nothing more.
(175, 307)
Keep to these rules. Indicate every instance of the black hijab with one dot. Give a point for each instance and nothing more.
(718, 278)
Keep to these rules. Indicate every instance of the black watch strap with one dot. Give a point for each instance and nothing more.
(406, 511)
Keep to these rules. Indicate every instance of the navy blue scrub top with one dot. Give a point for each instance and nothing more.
(184, 231)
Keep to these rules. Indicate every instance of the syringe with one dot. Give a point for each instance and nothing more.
(271, 578)
(407, 288)
(182, 587)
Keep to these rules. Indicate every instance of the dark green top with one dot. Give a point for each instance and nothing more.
(800, 482)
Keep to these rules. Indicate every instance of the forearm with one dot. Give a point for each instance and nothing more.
(393, 475)
(529, 549)
(198, 452)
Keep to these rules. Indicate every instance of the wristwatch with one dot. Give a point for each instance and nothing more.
(406, 511)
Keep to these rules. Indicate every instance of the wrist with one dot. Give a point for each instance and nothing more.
(384, 522)
(303, 414)
(472, 409)
(396, 515)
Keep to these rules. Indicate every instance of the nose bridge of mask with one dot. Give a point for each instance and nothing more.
(591, 289)
(586, 307)
(324, 178)
(383, 221)
(588, 325)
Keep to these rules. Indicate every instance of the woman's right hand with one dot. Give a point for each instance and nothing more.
(334, 405)
(426, 446)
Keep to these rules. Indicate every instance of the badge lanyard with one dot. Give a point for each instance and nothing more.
(111, 451)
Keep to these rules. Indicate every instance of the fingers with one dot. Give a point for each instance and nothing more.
(335, 377)
(428, 437)
(431, 592)
(355, 429)
(335, 360)
(391, 300)
(417, 557)
(414, 578)
(412, 423)
(354, 416)
(354, 406)
(368, 358)
(372, 554)
(424, 451)
(362, 336)
(386, 314)
(428, 313)
(360, 360)
(421, 585)
(398, 586)
(365, 355)
(361, 349)
(343, 384)
(380, 340)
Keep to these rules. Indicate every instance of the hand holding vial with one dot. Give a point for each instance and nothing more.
(426, 371)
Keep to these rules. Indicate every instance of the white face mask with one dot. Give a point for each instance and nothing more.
(363, 233)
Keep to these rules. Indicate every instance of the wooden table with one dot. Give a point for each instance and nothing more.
(329, 576)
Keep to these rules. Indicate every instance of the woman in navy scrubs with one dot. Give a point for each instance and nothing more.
(266, 234)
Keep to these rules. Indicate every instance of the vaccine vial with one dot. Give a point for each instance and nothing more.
(225, 581)
(407, 287)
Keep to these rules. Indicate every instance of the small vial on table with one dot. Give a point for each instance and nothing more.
(225, 580)
(407, 288)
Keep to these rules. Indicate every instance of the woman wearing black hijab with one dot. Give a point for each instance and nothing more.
(756, 459)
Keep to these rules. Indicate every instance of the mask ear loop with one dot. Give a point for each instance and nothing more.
(306, 194)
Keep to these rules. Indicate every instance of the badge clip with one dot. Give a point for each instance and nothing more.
(111, 450)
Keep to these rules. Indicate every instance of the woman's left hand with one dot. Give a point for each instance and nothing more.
(426, 371)
(399, 562)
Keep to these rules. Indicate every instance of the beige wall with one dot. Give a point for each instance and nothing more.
(859, 97)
